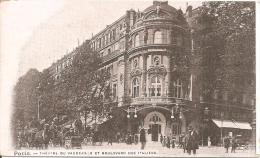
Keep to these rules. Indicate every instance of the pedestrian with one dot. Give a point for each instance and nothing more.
(142, 138)
(226, 143)
(173, 142)
(110, 138)
(161, 139)
(136, 139)
(181, 139)
(118, 137)
(164, 141)
(209, 142)
(192, 141)
(168, 142)
(185, 141)
(233, 145)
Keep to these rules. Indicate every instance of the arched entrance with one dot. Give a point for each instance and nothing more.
(155, 122)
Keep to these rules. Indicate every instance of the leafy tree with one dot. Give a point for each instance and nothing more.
(25, 96)
(81, 85)
(225, 45)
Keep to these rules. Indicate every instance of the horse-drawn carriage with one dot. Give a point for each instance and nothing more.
(73, 142)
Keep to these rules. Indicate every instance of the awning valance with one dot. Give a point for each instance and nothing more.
(232, 124)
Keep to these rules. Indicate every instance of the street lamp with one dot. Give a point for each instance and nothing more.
(221, 130)
(38, 103)
(205, 120)
(131, 110)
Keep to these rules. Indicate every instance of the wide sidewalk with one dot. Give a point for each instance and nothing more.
(176, 152)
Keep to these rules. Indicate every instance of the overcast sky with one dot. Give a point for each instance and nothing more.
(39, 32)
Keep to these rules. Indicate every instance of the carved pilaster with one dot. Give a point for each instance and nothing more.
(144, 56)
(170, 77)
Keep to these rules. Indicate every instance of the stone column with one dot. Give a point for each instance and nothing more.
(169, 75)
(144, 74)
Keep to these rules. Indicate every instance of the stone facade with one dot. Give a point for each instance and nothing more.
(141, 51)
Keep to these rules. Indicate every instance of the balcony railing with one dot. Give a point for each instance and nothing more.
(154, 100)
(152, 45)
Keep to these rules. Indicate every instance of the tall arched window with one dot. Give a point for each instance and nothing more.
(177, 86)
(156, 86)
(137, 41)
(158, 37)
(135, 92)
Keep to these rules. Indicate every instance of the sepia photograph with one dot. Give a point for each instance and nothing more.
(146, 78)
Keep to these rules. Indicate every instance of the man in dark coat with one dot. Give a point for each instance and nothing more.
(233, 145)
(226, 143)
(192, 141)
(161, 139)
(142, 138)
(168, 142)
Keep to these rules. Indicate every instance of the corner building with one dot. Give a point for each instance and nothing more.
(140, 51)
(154, 82)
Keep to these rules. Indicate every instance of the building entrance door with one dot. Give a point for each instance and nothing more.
(155, 130)
(155, 123)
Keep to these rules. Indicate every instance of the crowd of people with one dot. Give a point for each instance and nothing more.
(230, 142)
(189, 142)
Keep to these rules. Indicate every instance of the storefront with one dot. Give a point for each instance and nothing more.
(218, 129)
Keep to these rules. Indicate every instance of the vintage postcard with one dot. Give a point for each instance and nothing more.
(128, 78)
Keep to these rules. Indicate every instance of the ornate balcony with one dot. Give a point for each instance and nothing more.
(152, 100)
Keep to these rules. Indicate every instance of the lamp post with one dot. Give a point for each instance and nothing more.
(38, 101)
(221, 130)
(131, 111)
(205, 121)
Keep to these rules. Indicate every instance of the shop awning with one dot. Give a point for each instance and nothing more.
(243, 125)
(232, 124)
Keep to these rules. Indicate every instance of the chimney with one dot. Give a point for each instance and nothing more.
(160, 2)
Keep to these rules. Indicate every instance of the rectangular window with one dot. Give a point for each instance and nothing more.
(99, 43)
(158, 90)
(152, 91)
(103, 41)
(114, 34)
(177, 89)
(158, 37)
(114, 91)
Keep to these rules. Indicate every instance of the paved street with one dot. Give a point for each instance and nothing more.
(163, 151)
